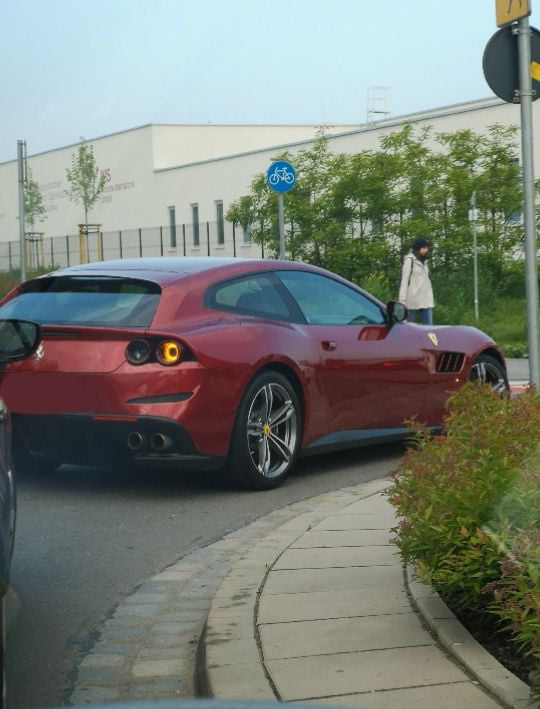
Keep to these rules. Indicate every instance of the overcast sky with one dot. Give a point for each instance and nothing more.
(72, 68)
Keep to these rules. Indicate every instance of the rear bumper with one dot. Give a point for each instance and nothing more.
(86, 439)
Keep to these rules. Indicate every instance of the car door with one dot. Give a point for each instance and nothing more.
(375, 373)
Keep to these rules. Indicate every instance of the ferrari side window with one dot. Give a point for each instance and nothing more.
(324, 301)
(253, 295)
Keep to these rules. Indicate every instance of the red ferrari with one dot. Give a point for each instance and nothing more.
(224, 363)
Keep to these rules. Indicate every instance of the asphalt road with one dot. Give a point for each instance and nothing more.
(87, 537)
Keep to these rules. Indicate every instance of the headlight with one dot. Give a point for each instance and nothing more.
(168, 352)
(138, 352)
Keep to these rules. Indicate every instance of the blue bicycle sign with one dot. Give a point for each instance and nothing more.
(281, 176)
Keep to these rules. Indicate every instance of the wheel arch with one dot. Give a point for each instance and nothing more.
(289, 373)
(495, 353)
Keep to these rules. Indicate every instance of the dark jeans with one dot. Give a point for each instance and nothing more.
(425, 315)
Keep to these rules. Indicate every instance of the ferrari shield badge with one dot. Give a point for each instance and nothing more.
(433, 337)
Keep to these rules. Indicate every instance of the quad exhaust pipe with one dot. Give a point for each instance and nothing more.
(159, 442)
(136, 441)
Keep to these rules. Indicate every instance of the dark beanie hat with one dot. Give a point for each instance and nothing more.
(419, 243)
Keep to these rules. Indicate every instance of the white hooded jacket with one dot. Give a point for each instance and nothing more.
(415, 290)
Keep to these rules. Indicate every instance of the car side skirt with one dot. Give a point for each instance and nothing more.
(353, 438)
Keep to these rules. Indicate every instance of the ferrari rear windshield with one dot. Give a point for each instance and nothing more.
(85, 300)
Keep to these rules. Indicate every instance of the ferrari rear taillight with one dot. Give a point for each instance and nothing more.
(166, 352)
(138, 352)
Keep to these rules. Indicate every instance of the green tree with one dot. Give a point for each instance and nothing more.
(85, 183)
(358, 214)
(34, 210)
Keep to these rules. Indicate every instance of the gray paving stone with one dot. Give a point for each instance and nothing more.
(173, 628)
(156, 668)
(506, 685)
(239, 681)
(180, 652)
(102, 647)
(321, 637)
(309, 580)
(330, 604)
(140, 597)
(120, 633)
(139, 610)
(166, 640)
(450, 631)
(433, 609)
(99, 675)
(474, 655)
(225, 652)
(156, 689)
(442, 696)
(346, 538)
(343, 521)
(98, 659)
(354, 672)
(126, 621)
(338, 557)
(376, 505)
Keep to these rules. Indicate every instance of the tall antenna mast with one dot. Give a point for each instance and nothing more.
(378, 103)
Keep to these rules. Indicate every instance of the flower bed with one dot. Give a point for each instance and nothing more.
(469, 509)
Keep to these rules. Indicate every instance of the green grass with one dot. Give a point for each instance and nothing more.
(504, 320)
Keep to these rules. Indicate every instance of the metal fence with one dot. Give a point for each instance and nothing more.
(203, 239)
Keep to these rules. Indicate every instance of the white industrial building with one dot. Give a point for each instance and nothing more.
(168, 186)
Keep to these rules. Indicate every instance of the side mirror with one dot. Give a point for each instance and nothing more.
(18, 339)
(396, 311)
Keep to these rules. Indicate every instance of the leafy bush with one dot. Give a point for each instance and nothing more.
(468, 505)
(519, 351)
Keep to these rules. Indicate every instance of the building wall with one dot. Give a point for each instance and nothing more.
(152, 168)
(182, 144)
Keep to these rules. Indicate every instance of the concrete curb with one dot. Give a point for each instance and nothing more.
(234, 667)
(457, 640)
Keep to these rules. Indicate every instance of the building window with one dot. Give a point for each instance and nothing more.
(246, 231)
(195, 224)
(220, 223)
(172, 227)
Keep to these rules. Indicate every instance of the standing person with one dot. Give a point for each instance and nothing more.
(415, 290)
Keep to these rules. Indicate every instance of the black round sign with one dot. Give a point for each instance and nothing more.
(501, 64)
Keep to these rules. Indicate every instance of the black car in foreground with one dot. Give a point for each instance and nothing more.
(18, 339)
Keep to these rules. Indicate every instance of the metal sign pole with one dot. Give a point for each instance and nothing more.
(281, 219)
(281, 177)
(474, 217)
(531, 269)
(21, 154)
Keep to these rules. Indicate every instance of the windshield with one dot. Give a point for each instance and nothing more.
(75, 300)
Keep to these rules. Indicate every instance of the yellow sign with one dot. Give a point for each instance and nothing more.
(508, 11)
(535, 71)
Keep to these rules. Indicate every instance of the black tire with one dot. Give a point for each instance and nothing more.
(262, 453)
(488, 370)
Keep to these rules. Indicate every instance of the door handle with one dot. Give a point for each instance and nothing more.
(329, 345)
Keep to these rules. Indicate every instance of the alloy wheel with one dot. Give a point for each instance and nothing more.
(487, 372)
(272, 429)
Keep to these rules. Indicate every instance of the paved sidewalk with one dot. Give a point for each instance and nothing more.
(318, 611)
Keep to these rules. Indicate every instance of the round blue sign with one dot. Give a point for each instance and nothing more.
(281, 176)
